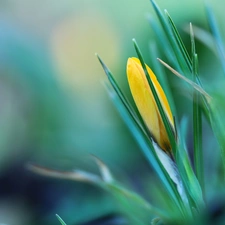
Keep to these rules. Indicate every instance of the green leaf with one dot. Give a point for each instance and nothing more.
(177, 44)
(197, 131)
(163, 42)
(216, 117)
(134, 200)
(182, 51)
(171, 36)
(197, 118)
(203, 36)
(159, 70)
(180, 43)
(140, 134)
(60, 219)
(189, 179)
(120, 94)
(145, 145)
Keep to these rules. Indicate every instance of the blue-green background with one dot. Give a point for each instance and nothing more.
(54, 110)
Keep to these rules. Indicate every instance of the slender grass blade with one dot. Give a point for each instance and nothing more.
(197, 118)
(60, 220)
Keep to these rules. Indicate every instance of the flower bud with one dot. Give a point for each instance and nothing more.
(146, 103)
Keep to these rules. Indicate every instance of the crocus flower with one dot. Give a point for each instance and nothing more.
(147, 106)
(146, 103)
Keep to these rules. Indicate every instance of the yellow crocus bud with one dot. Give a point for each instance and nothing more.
(146, 103)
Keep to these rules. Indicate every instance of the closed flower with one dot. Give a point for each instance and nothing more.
(146, 103)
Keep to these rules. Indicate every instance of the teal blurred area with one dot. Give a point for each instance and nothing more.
(54, 109)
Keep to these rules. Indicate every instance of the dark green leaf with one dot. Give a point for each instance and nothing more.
(197, 117)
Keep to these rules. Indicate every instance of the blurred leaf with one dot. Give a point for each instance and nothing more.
(77, 175)
(216, 118)
(216, 34)
(203, 36)
(60, 220)
(157, 221)
(113, 187)
(105, 172)
(133, 201)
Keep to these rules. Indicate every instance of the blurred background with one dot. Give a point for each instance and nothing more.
(55, 111)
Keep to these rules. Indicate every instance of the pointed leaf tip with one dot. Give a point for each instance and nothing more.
(105, 68)
(105, 172)
(60, 219)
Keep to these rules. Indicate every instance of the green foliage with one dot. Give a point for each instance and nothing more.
(193, 183)
(192, 208)
(140, 134)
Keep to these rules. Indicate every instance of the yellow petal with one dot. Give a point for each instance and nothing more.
(146, 104)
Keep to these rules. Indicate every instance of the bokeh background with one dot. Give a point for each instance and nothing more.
(55, 111)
